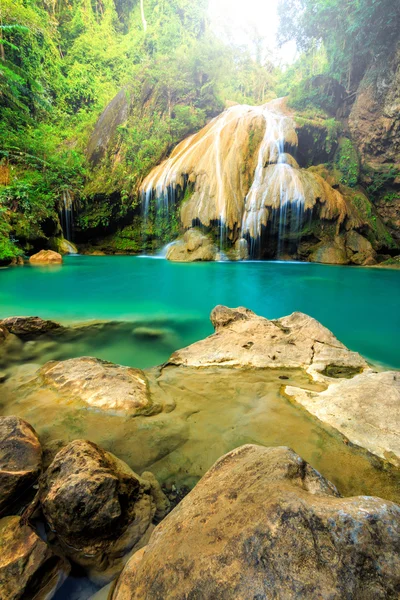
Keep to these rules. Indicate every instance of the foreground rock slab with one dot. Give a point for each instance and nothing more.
(97, 508)
(20, 461)
(28, 568)
(100, 384)
(365, 409)
(46, 257)
(263, 524)
(243, 339)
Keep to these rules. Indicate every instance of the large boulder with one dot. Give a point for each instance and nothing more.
(365, 409)
(20, 462)
(359, 249)
(262, 523)
(192, 247)
(98, 509)
(330, 253)
(28, 326)
(243, 339)
(28, 568)
(100, 384)
(46, 257)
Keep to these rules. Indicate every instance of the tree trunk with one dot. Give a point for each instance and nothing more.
(142, 14)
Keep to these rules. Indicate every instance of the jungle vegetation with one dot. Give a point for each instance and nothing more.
(62, 62)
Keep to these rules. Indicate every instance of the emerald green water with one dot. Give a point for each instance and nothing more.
(361, 306)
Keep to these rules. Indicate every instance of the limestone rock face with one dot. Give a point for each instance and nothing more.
(263, 524)
(99, 384)
(194, 246)
(28, 568)
(365, 409)
(20, 461)
(115, 113)
(374, 120)
(243, 339)
(242, 175)
(96, 506)
(28, 326)
(46, 257)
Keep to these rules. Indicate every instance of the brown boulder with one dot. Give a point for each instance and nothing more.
(192, 247)
(46, 257)
(359, 249)
(20, 461)
(24, 326)
(263, 524)
(28, 568)
(98, 509)
(330, 253)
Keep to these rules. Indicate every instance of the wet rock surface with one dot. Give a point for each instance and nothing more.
(99, 384)
(28, 568)
(243, 339)
(97, 508)
(194, 246)
(29, 326)
(263, 524)
(365, 409)
(20, 462)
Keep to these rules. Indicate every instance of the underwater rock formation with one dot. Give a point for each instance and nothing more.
(262, 523)
(99, 384)
(239, 174)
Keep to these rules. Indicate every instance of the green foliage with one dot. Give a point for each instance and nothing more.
(347, 162)
(61, 64)
(380, 179)
(352, 32)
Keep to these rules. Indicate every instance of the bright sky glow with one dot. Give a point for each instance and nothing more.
(240, 21)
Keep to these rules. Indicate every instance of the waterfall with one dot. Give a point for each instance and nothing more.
(66, 215)
(238, 177)
(277, 191)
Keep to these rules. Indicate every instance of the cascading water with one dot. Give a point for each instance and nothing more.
(66, 215)
(276, 178)
(237, 177)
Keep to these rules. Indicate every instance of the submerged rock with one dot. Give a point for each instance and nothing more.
(365, 409)
(262, 523)
(194, 246)
(100, 384)
(28, 568)
(98, 509)
(245, 340)
(46, 257)
(20, 462)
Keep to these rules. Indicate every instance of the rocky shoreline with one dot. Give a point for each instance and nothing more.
(78, 487)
